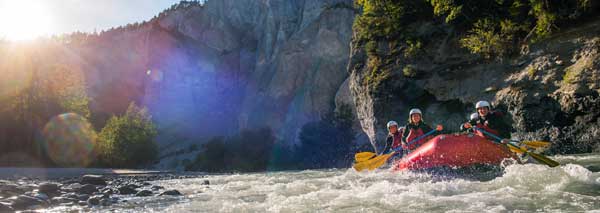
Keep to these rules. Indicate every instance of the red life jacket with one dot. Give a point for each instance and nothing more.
(397, 140)
(412, 134)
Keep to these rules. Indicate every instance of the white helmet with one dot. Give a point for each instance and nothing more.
(482, 104)
(414, 111)
(392, 123)
(474, 116)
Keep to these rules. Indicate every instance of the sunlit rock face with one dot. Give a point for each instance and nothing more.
(212, 70)
(550, 93)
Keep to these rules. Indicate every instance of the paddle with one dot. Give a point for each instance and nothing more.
(364, 156)
(538, 157)
(535, 144)
(375, 161)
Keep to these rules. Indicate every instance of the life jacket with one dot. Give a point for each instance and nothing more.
(397, 140)
(482, 124)
(412, 134)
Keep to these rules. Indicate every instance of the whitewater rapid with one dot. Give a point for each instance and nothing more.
(571, 187)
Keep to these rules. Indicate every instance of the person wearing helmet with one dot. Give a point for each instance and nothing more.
(394, 138)
(472, 120)
(415, 128)
(490, 121)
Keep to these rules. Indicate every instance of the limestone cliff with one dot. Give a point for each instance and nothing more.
(549, 91)
(212, 69)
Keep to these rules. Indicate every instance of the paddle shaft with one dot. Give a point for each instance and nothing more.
(399, 148)
(538, 157)
(493, 136)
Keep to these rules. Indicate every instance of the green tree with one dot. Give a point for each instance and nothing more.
(128, 140)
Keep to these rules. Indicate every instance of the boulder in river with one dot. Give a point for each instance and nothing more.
(171, 193)
(5, 208)
(127, 190)
(156, 188)
(87, 189)
(63, 200)
(83, 197)
(24, 202)
(10, 189)
(93, 201)
(48, 188)
(106, 202)
(94, 180)
(144, 193)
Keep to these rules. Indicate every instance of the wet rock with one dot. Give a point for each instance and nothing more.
(206, 182)
(83, 197)
(26, 189)
(94, 180)
(71, 195)
(63, 200)
(156, 188)
(107, 192)
(5, 208)
(24, 202)
(48, 188)
(93, 201)
(82, 203)
(134, 186)
(42, 196)
(144, 193)
(9, 189)
(171, 193)
(72, 187)
(106, 202)
(127, 190)
(87, 189)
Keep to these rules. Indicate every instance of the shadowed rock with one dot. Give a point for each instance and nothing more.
(48, 188)
(171, 193)
(144, 193)
(93, 179)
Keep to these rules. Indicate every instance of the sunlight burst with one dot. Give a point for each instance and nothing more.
(24, 19)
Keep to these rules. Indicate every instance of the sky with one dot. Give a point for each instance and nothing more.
(28, 19)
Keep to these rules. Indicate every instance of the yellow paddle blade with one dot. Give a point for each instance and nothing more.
(539, 157)
(374, 163)
(363, 156)
(537, 144)
(544, 159)
(515, 150)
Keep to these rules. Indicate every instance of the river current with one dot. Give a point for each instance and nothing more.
(572, 187)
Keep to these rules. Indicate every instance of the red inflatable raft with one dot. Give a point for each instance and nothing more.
(454, 151)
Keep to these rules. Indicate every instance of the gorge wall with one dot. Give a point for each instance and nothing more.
(548, 92)
(213, 69)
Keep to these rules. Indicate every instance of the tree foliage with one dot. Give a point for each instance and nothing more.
(492, 28)
(30, 95)
(127, 141)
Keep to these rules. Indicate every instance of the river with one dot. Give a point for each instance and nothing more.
(572, 187)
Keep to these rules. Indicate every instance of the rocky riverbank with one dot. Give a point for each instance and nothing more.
(85, 191)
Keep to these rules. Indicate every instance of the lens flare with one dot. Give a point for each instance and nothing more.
(69, 140)
(155, 75)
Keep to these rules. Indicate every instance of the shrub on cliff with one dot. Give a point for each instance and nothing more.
(491, 28)
(127, 141)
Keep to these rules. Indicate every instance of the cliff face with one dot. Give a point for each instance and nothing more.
(211, 70)
(550, 91)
